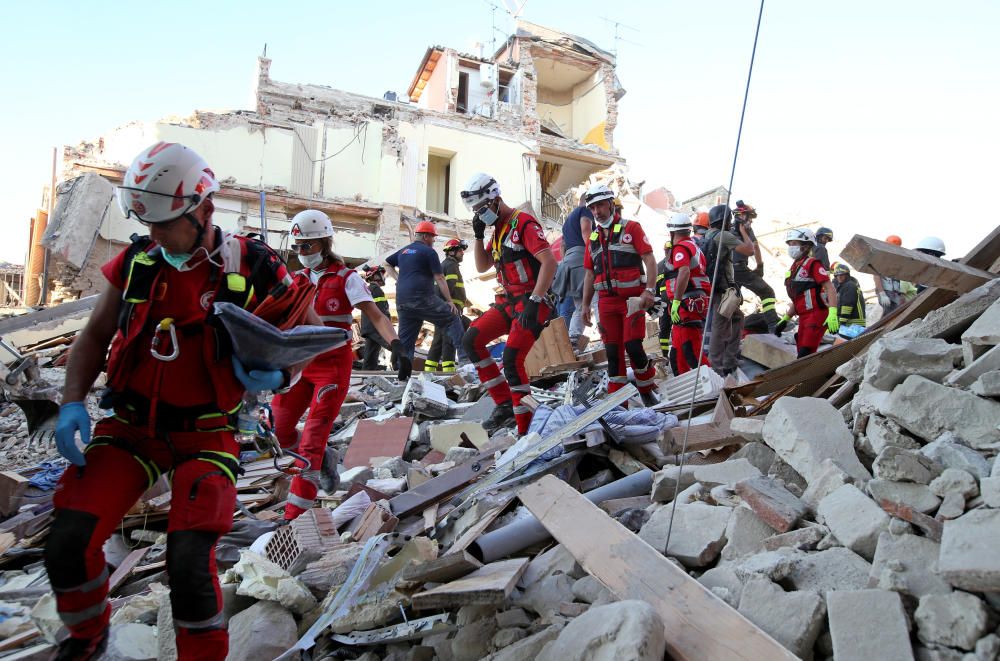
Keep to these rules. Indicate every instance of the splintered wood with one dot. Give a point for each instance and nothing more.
(552, 350)
(491, 584)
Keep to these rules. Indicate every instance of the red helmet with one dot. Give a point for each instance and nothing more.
(894, 240)
(455, 244)
(425, 227)
(369, 272)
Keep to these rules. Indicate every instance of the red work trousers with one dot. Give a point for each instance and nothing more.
(812, 327)
(90, 502)
(623, 335)
(686, 336)
(502, 317)
(322, 390)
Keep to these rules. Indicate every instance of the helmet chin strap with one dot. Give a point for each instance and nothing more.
(200, 236)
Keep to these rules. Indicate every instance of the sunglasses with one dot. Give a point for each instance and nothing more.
(305, 246)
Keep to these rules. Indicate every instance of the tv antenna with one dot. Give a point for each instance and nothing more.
(512, 9)
(618, 37)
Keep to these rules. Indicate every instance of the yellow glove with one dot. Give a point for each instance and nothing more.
(832, 321)
(675, 315)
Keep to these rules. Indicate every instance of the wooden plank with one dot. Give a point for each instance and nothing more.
(440, 487)
(126, 567)
(7, 540)
(377, 439)
(491, 584)
(20, 639)
(697, 624)
(876, 257)
(768, 350)
(700, 437)
(12, 487)
(443, 569)
(473, 532)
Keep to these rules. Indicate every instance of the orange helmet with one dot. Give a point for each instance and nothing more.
(701, 219)
(455, 244)
(894, 240)
(425, 227)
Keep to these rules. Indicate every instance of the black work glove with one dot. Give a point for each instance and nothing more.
(405, 365)
(478, 228)
(759, 270)
(529, 315)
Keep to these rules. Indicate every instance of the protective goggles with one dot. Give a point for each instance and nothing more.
(305, 246)
(150, 207)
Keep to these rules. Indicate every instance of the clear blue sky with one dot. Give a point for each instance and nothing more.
(870, 116)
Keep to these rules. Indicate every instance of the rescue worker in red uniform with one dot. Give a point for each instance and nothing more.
(814, 298)
(525, 268)
(688, 292)
(175, 390)
(326, 380)
(617, 262)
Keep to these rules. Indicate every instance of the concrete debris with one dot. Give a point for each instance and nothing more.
(623, 630)
(957, 619)
(835, 519)
(868, 624)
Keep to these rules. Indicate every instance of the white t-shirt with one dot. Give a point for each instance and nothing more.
(356, 289)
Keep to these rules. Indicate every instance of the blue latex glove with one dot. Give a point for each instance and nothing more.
(258, 380)
(73, 418)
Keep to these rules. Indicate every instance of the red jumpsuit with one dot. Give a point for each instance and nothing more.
(169, 415)
(686, 336)
(515, 244)
(323, 385)
(615, 257)
(804, 284)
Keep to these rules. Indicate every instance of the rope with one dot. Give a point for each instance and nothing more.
(715, 274)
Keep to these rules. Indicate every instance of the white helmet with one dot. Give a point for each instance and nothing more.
(800, 234)
(679, 222)
(165, 182)
(481, 188)
(596, 193)
(931, 243)
(311, 224)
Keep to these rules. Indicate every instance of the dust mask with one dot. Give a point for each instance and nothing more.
(795, 251)
(178, 260)
(311, 261)
(487, 215)
(606, 223)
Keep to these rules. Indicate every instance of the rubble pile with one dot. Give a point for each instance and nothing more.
(844, 506)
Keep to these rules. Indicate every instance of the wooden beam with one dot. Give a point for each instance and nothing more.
(490, 584)
(698, 625)
(879, 258)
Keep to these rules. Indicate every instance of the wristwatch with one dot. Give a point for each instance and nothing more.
(536, 298)
(651, 290)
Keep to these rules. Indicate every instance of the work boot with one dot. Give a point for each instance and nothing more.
(649, 398)
(502, 416)
(329, 478)
(82, 649)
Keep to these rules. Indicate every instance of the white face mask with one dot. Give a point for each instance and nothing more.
(487, 216)
(606, 223)
(311, 261)
(795, 251)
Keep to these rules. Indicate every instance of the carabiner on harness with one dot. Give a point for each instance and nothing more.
(165, 326)
(265, 440)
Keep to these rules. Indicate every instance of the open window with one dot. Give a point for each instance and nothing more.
(463, 92)
(438, 181)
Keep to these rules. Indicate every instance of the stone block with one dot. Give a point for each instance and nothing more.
(868, 624)
(832, 569)
(262, 632)
(557, 560)
(751, 429)
(772, 502)
(907, 564)
(726, 472)
(447, 434)
(794, 619)
(954, 480)
(745, 534)
(983, 334)
(917, 496)
(957, 619)
(928, 409)
(698, 535)
(774, 565)
(987, 385)
(472, 642)
(591, 591)
(989, 487)
(968, 558)
(803, 539)
(855, 519)
(623, 630)
(724, 578)
(545, 596)
(853, 370)
(891, 359)
(527, 649)
(665, 482)
(968, 375)
(899, 465)
(794, 482)
(757, 454)
(951, 452)
(868, 399)
(804, 431)
(828, 479)
(881, 433)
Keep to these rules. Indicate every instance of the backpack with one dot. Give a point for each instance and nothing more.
(711, 250)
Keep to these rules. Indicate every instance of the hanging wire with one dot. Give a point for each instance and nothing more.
(715, 274)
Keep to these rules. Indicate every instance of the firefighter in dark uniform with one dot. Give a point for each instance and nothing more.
(374, 342)
(442, 354)
(850, 301)
(753, 279)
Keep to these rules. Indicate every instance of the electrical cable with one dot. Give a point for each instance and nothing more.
(701, 353)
